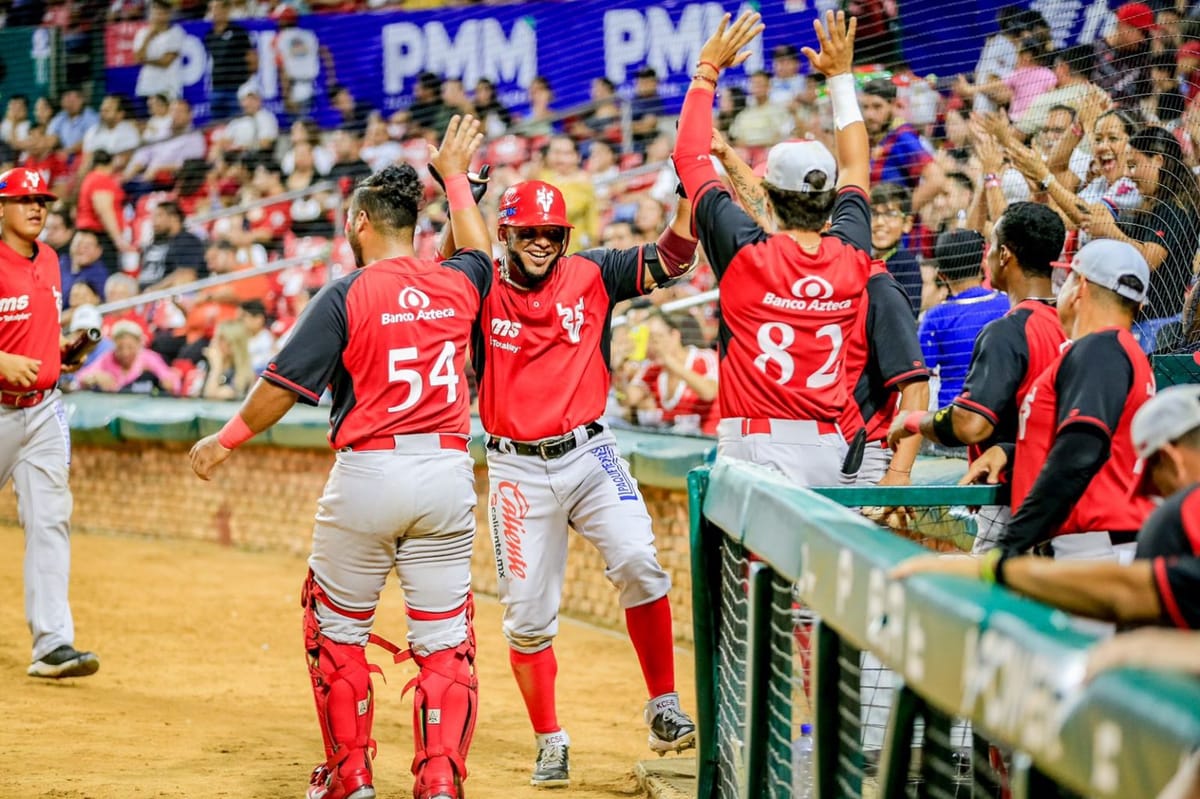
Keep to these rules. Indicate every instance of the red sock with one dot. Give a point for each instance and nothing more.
(654, 641)
(535, 677)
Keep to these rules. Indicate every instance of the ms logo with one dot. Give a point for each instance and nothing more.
(572, 319)
(505, 327)
(411, 298)
(544, 199)
(812, 288)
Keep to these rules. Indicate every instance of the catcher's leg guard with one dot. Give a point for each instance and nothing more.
(445, 705)
(341, 680)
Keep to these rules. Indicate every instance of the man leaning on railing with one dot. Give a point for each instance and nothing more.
(1162, 585)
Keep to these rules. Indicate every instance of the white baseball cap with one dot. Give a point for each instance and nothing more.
(1106, 262)
(85, 317)
(1165, 417)
(790, 162)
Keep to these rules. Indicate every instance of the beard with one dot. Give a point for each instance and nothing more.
(520, 275)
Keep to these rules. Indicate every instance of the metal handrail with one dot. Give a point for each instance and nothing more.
(295, 194)
(204, 283)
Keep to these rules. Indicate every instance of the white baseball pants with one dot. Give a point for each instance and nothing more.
(797, 449)
(531, 503)
(411, 509)
(35, 453)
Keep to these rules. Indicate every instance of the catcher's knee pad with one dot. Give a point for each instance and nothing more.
(341, 681)
(640, 579)
(445, 704)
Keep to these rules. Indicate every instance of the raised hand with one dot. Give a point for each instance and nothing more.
(836, 38)
(463, 138)
(724, 48)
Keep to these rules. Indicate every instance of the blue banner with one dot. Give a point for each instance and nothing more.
(379, 55)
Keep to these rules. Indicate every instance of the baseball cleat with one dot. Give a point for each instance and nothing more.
(553, 768)
(671, 730)
(321, 785)
(65, 661)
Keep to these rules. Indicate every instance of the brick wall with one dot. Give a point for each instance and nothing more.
(264, 498)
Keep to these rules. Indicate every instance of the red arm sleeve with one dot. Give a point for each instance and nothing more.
(693, 147)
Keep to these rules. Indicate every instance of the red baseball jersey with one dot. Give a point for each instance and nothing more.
(542, 355)
(390, 341)
(1084, 387)
(30, 304)
(786, 315)
(683, 400)
(1171, 539)
(882, 353)
(1010, 354)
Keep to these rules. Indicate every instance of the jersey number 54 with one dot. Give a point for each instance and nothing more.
(442, 374)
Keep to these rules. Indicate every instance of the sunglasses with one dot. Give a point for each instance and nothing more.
(555, 235)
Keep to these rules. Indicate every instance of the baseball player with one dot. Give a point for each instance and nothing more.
(1010, 353)
(1073, 464)
(885, 370)
(789, 300)
(390, 340)
(542, 356)
(35, 443)
(1162, 585)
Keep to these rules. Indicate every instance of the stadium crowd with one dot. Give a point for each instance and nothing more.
(1107, 133)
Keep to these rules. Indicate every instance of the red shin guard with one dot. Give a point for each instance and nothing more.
(445, 706)
(654, 641)
(341, 681)
(535, 675)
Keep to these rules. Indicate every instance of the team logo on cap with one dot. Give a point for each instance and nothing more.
(413, 298)
(545, 200)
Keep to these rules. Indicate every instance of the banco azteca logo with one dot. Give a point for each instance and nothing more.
(811, 287)
(413, 298)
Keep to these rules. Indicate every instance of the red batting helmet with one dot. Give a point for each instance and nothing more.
(533, 203)
(21, 182)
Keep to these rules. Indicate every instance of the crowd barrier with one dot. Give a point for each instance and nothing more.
(984, 696)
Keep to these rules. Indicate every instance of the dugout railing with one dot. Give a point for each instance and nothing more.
(983, 693)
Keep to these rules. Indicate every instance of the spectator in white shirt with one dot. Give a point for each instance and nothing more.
(788, 87)
(15, 127)
(114, 134)
(256, 129)
(157, 48)
(999, 56)
(163, 159)
(158, 126)
(379, 150)
(262, 341)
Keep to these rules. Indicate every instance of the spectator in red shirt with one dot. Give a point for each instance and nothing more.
(266, 224)
(100, 209)
(41, 156)
(679, 380)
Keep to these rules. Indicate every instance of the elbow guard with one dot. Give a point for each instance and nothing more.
(670, 258)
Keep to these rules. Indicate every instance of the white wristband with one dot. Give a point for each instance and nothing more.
(843, 94)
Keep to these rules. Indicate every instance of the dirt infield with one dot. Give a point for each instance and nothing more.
(203, 692)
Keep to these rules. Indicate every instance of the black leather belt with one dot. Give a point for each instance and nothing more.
(1118, 537)
(548, 448)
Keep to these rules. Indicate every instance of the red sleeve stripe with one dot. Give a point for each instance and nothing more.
(858, 189)
(434, 615)
(1166, 595)
(641, 271)
(975, 407)
(1092, 420)
(1189, 517)
(909, 375)
(283, 382)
